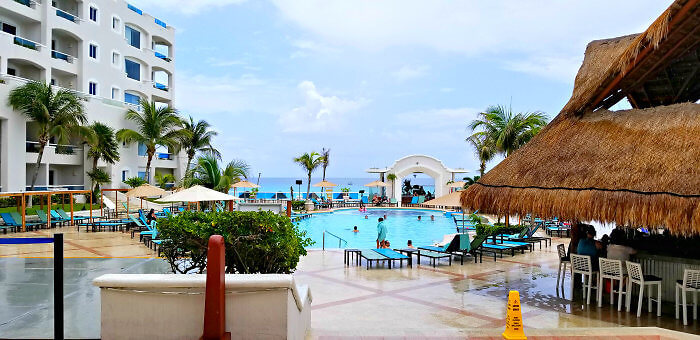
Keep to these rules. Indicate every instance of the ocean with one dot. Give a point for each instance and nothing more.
(280, 184)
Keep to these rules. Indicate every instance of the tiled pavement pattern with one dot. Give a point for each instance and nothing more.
(447, 302)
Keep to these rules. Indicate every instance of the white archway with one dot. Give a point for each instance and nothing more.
(428, 165)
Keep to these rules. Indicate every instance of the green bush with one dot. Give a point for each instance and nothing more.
(256, 241)
(298, 205)
(498, 228)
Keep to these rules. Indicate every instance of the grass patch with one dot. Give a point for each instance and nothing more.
(32, 210)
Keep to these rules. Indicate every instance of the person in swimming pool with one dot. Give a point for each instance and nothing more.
(410, 244)
(432, 217)
(419, 217)
(381, 232)
(354, 230)
(366, 217)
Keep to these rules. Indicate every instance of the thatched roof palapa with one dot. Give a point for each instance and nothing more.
(638, 167)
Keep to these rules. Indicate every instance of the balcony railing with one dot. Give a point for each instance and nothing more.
(164, 156)
(135, 9)
(160, 86)
(160, 23)
(24, 2)
(32, 45)
(60, 149)
(60, 55)
(161, 56)
(57, 187)
(65, 15)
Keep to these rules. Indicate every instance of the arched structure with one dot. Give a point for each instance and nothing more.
(411, 164)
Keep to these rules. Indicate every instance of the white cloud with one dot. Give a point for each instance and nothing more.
(319, 112)
(409, 72)
(218, 62)
(187, 7)
(551, 29)
(562, 69)
(308, 47)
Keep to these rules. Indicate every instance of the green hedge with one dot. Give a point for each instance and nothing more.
(256, 242)
(498, 228)
(298, 205)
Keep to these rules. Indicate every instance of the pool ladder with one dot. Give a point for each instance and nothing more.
(340, 239)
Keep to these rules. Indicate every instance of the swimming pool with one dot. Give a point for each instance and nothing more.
(402, 225)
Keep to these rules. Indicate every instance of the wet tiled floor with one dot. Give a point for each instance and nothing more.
(449, 302)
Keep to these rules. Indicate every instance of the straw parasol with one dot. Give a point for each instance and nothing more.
(376, 184)
(458, 184)
(325, 184)
(144, 190)
(197, 193)
(449, 200)
(243, 184)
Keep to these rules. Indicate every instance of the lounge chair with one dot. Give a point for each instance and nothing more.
(457, 245)
(143, 228)
(18, 218)
(372, 256)
(394, 256)
(320, 204)
(14, 219)
(65, 216)
(44, 219)
(529, 237)
(10, 223)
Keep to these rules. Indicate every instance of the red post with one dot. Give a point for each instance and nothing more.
(214, 304)
(289, 208)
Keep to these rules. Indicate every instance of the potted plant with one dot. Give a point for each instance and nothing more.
(254, 193)
(346, 192)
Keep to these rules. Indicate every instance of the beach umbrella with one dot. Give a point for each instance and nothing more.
(458, 184)
(144, 190)
(449, 200)
(197, 193)
(325, 184)
(243, 184)
(378, 184)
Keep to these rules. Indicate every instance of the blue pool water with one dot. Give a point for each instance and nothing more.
(402, 225)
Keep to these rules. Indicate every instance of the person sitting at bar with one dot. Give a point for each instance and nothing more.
(617, 250)
(589, 246)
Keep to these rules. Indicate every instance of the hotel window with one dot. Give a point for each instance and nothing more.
(142, 175)
(133, 36)
(125, 175)
(93, 51)
(115, 58)
(93, 14)
(92, 88)
(116, 24)
(142, 149)
(115, 93)
(131, 98)
(132, 69)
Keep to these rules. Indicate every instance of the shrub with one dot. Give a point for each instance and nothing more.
(135, 182)
(298, 205)
(498, 228)
(256, 241)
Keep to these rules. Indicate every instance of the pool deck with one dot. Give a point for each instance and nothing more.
(447, 302)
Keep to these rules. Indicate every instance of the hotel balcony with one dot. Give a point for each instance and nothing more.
(54, 154)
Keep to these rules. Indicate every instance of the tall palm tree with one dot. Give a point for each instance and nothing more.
(156, 126)
(57, 114)
(198, 140)
(325, 154)
(103, 145)
(309, 162)
(508, 131)
(505, 130)
(207, 172)
(485, 150)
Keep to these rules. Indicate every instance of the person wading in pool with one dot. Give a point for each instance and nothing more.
(381, 232)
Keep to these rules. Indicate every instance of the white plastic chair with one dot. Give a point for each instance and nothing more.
(690, 283)
(611, 270)
(635, 275)
(563, 261)
(581, 264)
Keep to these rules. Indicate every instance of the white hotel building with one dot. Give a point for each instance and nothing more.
(108, 51)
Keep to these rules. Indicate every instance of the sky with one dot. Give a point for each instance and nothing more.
(376, 80)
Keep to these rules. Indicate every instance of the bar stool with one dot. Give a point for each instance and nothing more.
(611, 270)
(563, 261)
(581, 264)
(635, 275)
(690, 283)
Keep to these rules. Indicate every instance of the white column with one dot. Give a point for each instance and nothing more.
(3, 65)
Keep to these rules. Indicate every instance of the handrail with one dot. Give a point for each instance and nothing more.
(340, 239)
(67, 15)
(63, 56)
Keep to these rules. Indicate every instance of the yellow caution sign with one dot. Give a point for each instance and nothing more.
(514, 318)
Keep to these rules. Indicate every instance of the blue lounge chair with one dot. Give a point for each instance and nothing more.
(12, 221)
(64, 215)
(394, 256)
(44, 219)
(365, 199)
(370, 255)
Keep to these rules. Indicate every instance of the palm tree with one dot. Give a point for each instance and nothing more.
(506, 130)
(485, 150)
(309, 162)
(156, 126)
(98, 177)
(135, 181)
(208, 173)
(163, 180)
(57, 114)
(198, 140)
(325, 154)
(103, 145)
(470, 180)
(392, 178)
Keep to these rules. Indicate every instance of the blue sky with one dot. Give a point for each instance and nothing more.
(376, 80)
